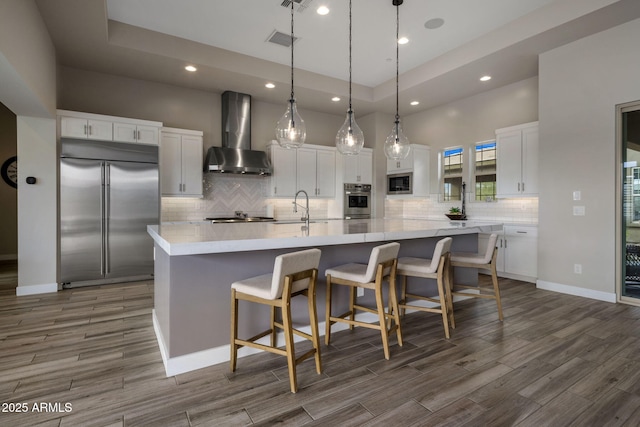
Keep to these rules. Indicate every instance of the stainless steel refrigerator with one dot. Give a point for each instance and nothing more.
(108, 196)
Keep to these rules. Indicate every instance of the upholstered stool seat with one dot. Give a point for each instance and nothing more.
(484, 260)
(436, 267)
(381, 267)
(293, 274)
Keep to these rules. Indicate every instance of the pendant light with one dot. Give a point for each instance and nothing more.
(350, 139)
(397, 146)
(291, 130)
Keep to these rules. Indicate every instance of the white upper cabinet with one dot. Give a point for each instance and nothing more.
(129, 132)
(283, 176)
(79, 125)
(311, 168)
(358, 169)
(82, 128)
(181, 163)
(517, 161)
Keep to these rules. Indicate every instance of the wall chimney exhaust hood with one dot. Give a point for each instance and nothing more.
(236, 155)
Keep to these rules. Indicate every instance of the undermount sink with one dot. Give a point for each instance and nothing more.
(234, 219)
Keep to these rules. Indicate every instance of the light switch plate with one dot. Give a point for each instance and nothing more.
(579, 211)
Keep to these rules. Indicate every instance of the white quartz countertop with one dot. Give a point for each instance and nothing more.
(205, 238)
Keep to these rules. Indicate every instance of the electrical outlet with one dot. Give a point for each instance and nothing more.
(577, 195)
(577, 268)
(579, 211)
(360, 292)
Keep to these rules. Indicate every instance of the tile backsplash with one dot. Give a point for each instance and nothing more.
(225, 194)
(524, 210)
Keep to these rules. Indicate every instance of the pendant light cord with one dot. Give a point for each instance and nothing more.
(397, 59)
(292, 38)
(350, 109)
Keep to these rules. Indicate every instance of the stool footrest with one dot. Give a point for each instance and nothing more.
(246, 343)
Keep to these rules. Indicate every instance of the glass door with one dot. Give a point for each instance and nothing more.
(629, 196)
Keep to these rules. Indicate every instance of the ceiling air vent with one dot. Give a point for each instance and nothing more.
(298, 5)
(281, 38)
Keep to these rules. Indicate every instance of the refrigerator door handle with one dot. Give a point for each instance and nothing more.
(102, 191)
(107, 210)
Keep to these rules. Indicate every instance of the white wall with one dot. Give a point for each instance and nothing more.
(28, 88)
(580, 85)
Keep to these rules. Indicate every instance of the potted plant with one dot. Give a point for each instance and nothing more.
(455, 213)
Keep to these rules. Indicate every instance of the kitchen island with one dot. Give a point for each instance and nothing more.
(196, 263)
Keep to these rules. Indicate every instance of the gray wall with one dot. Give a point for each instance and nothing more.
(179, 107)
(580, 85)
(8, 194)
(472, 119)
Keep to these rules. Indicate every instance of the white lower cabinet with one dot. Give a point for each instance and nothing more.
(181, 163)
(517, 252)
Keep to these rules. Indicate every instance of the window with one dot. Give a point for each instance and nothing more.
(452, 162)
(485, 170)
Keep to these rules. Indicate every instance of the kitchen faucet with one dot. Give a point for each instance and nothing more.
(305, 218)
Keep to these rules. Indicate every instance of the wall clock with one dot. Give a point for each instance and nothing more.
(9, 171)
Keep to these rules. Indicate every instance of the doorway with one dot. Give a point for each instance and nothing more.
(628, 141)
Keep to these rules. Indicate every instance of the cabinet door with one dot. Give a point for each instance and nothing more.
(283, 178)
(530, 161)
(124, 132)
(509, 167)
(365, 167)
(403, 165)
(191, 165)
(351, 168)
(326, 173)
(147, 135)
(170, 164)
(521, 256)
(101, 130)
(71, 127)
(306, 171)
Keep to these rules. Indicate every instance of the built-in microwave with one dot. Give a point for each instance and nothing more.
(400, 183)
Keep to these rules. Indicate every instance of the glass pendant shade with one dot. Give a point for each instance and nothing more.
(397, 145)
(291, 130)
(350, 139)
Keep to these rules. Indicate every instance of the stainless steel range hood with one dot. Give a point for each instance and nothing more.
(236, 155)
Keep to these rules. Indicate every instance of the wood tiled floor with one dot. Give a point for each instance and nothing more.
(556, 360)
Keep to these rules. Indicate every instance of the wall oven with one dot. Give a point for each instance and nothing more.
(357, 201)
(400, 183)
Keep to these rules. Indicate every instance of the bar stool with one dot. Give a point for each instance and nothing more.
(485, 261)
(382, 266)
(293, 274)
(435, 268)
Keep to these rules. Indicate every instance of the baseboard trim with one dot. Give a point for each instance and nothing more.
(213, 356)
(574, 290)
(36, 289)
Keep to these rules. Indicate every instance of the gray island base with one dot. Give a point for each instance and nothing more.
(195, 265)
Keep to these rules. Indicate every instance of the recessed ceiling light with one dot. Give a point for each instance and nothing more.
(335, 99)
(415, 102)
(403, 40)
(190, 68)
(322, 10)
(485, 78)
(433, 24)
(270, 85)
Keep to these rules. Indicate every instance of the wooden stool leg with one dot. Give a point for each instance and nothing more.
(395, 311)
(288, 338)
(327, 318)
(449, 294)
(496, 290)
(352, 303)
(313, 319)
(443, 306)
(234, 330)
(403, 295)
(274, 336)
(382, 319)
